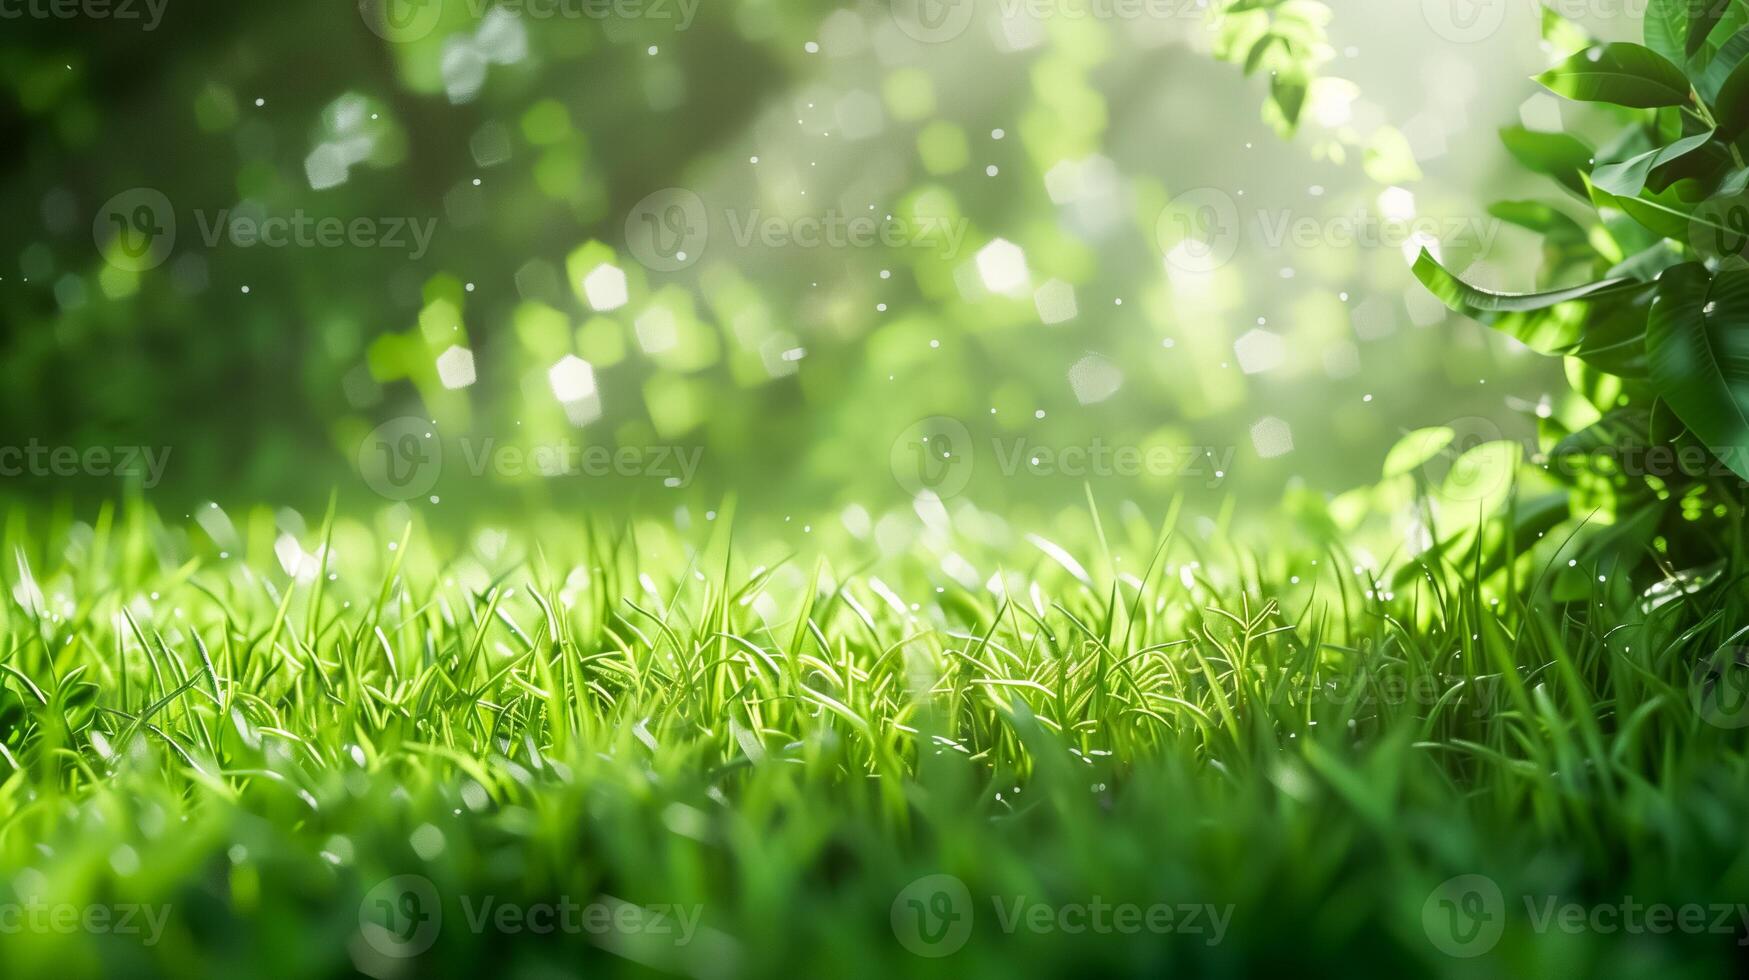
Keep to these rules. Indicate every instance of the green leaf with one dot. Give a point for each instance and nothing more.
(1477, 303)
(1546, 220)
(1288, 91)
(1665, 427)
(1258, 50)
(1556, 155)
(1534, 518)
(1618, 429)
(1666, 28)
(1612, 337)
(1558, 322)
(1697, 342)
(1416, 448)
(1647, 264)
(1731, 107)
(1729, 56)
(1621, 73)
(1628, 177)
(1567, 249)
(1700, 25)
(1670, 213)
(1478, 483)
(1734, 184)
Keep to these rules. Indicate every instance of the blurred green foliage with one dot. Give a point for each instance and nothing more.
(526, 144)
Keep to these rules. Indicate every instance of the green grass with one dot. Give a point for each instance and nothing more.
(1125, 712)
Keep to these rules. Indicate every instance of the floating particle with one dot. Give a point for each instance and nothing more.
(1272, 437)
(1002, 266)
(605, 288)
(455, 367)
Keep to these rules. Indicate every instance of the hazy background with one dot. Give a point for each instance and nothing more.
(1032, 309)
